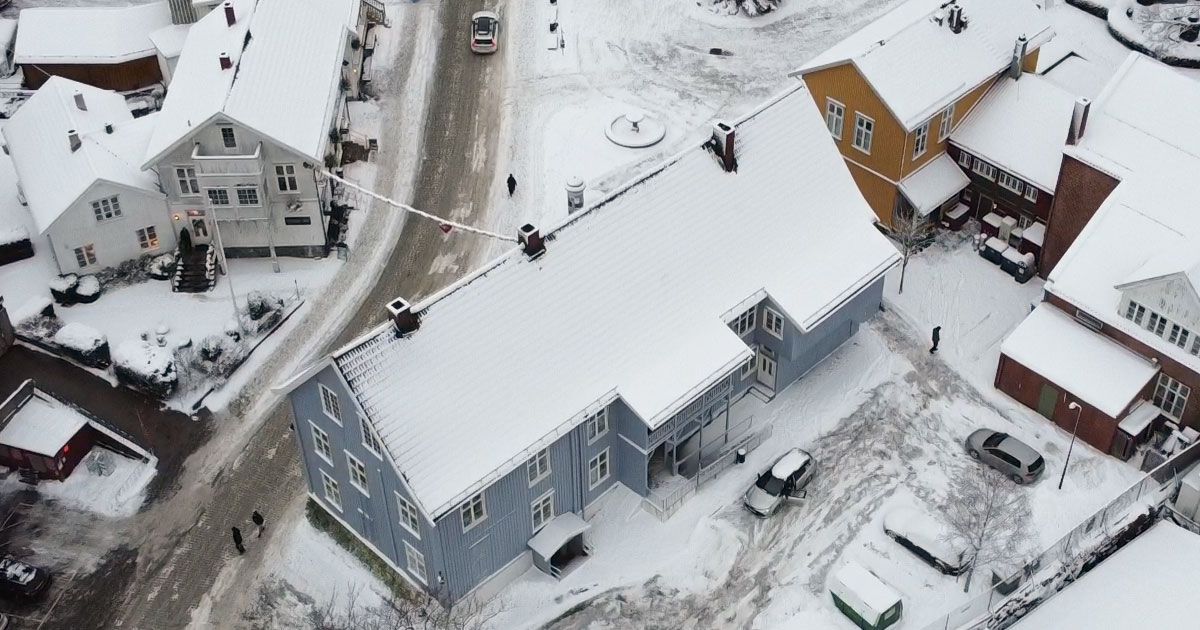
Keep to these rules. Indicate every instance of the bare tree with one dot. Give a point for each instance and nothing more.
(987, 515)
(912, 230)
(412, 611)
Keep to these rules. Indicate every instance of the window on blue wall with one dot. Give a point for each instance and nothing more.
(416, 562)
(329, 403)
(369, 439)
(597, 425)
(358, 474)
(749, 365)
(773, 322)
(474, 512)
(543, 510)
(321, 443)
(408, 516)
(598, 469)
(333, 495)
(744, 323)
(539, 466)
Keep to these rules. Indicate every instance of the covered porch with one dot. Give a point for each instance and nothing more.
(933, 189)
(561, 545)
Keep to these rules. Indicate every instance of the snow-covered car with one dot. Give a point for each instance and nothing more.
(783, 481)
(925, 536)
(22, 580)
(485, 29)
(1016, 459)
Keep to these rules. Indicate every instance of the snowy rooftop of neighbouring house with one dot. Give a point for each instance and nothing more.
(1092, 367)
(51, 175)
(934, 183)
(1021, 127)
(1145, 119)
(42, 425)
(631, 299)
(1149, 583)
(285, 79)
(54, 35)
(169, 39)
(866, 587)
(918, 66)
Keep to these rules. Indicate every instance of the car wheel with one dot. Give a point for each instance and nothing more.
(1018, 479)
(973, 453)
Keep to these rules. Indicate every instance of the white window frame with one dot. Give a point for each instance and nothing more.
(1167, 388)
(467, 512)
(921, 140)
(1157, 324)
(1135, 312)
(186, 181)
(321, 445)
(596, 426)
(369, 441)
(744, 324)
(538, 509)
(1031, 192)
(107, 209)
(984, 168)
(219, 197)
(1195, 349)
(964, 159)
(410, 518)
(864, 132)
(328, 483)
(1179, 335)
(835, 117)
(330, 404)
(413, 557)
(1009, 182)
(751, 364)
(285, 178)
(248, 190)
(601, 460)
(358, 469)
(772, 320)
(228, 137)
(538, 467)
(85, 255)
(946, 124)
(147, 237)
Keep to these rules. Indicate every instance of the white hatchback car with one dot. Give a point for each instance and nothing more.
(485, 32)
(783, 481)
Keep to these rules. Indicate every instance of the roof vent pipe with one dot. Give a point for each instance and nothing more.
(226, 62)
(1018, 57)
(79, 102)
(403, 317)
(955, 19)
(73, 138)
(230, 16)
(108, 128)
(575, 188)
(723, 144)
(1079, 119)
(531, 241)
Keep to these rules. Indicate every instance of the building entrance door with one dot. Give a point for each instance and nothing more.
(766, 368)
(198, 224)
(1047, 401)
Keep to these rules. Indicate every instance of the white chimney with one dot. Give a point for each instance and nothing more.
(405, 320)
(575, 188)
(79, 102)
(723, 143)
(1018, 57)
(1079, 119)
(73, 139)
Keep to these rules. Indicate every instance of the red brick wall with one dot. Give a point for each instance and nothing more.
(1025, 385)
(1080, 191)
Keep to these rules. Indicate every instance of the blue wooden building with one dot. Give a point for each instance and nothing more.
(465, 440)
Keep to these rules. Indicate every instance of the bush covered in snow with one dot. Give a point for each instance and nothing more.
(14, 244)
(1165, 31)
(84, 344)
(35, 307)
(135, 271)
(217, 356)
(63, 288)
(263, 311)
(88, 290)
(162, 267)
(749, 7)
(1098, 8)
(145, 366)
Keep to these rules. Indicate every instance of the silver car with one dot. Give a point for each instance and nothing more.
(783, 481)
(1016, 459)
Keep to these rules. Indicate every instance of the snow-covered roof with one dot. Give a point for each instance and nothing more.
(931, 185)
(556, 533)
(95, 35)
(285, 81)
(1139, 418)
(51, 175)
(864, 590)
(789, 463)
(169, 39)
(1092, 367)
(42, 425)
(1020, 126)
(917, 66)
(630, 300)
(1149, 583)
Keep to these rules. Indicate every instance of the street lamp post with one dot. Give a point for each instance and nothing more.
(1074, 406)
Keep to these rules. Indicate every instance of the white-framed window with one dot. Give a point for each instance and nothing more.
(750, 364)
(864, 129)
(538, 466)
(285, 178)
(368, 438)
(358, 474)
(107, 208)
(597, 425)
(473, 512)
(85, 255)
(228, 137)
(985, 169)
(773, 322)
(247, 195)
(321, 443)
(218, 196)
(416, 562)
(1135, 312)
(835, 117)
(1195, 349)
(185, 176)
(409, 518)
(745, 322)
(542, 509)
(922, 140)
(329, 404)
(148, 237)
(598, 470)
(1171, 396)
(946, 123)
(1006, 180)
(1156, 324)
(1179, 335)
(964, 159)
(333, 495)
(1031, 192)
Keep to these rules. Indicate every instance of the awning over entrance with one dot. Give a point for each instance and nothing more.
(1092, 367)
(934, 184)
(1139, 419)
(556, 533)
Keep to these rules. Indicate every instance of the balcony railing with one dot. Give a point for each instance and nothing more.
(228, 165)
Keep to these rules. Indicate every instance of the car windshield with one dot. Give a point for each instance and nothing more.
(770, 484)
(994, 440)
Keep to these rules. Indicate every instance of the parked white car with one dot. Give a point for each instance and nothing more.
(784, 481)
(926, 537)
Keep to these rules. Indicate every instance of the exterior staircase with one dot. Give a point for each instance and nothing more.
(374, 12)
(195, 271)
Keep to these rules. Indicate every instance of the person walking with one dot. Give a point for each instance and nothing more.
(937, 336)
(258, 522)
(237, 541)
(512, 184)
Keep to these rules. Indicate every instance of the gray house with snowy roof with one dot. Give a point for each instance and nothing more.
(470, 438)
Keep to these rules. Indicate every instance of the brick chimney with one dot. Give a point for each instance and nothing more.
(531, 241)
(108, 128)
(575, 188)
(1018, 57)
(230, 16)
(79, 102)
(1079, 119)
(723, 145)
(73, 138)
(226, 62)
(403, 317)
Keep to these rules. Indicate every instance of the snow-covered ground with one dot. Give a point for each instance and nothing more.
(117, 494)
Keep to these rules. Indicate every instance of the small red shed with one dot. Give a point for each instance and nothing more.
(42, 434)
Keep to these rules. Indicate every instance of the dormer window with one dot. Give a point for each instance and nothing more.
(1135, 312)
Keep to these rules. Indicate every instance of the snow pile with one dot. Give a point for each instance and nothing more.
(749, 7)
(119, 493)
(79, 337)
(13, 234)
(33, 307)
(145, 366)
(1167, 32)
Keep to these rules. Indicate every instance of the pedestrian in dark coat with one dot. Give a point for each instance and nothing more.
(258, 522)
(512, 184)
(237, 541)
(937, 336)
